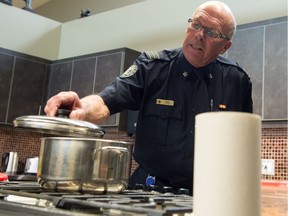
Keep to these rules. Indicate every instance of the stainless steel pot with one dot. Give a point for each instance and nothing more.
(84, 164)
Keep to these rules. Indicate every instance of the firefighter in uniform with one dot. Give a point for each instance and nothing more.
(168, 89)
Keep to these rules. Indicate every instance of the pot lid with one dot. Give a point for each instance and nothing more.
(59, 126)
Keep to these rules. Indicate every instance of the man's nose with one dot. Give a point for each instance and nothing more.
(200, 34)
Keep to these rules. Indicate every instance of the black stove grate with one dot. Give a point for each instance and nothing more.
(130, 202)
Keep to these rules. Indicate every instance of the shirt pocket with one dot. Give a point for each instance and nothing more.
(163, 123)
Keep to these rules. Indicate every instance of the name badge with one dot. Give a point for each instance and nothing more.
(165, 102)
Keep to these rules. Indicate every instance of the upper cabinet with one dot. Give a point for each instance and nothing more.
(6, 68)
(23, 81)
(275, 72)
(90, 74)
(261, 49)
(28, 88)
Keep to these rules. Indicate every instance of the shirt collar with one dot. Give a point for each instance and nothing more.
(186, 68)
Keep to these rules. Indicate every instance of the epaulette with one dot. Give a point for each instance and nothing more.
(152, 55)
(163, 55)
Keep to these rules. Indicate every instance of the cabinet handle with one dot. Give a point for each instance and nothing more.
(39, 110)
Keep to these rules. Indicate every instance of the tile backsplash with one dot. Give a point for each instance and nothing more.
(26, 143)
(274, 146)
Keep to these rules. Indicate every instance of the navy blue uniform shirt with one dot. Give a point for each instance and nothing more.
(169, 92)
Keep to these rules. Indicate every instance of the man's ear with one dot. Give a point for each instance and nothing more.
(226, 47)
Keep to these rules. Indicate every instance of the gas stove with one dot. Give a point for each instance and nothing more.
(28, 198)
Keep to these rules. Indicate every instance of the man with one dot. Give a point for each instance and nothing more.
(169, 88)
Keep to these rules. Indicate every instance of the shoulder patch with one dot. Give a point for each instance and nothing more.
(130, 71)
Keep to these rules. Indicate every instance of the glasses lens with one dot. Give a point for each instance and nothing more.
(196, 26)
(211, 33)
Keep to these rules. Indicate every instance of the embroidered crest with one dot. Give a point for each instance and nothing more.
(130, 71)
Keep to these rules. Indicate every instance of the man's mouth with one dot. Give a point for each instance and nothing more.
(199, 48)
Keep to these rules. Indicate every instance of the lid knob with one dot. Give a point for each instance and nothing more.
(63, 113)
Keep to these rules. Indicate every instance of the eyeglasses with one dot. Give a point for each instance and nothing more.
(212, 33)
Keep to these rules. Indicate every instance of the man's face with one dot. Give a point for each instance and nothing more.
(199, 49)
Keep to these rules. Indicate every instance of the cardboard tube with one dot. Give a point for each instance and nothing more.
(227, 166)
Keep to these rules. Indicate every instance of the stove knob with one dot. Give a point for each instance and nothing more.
(138, 187)
(167, 189)
(183, 191)
(153, 188)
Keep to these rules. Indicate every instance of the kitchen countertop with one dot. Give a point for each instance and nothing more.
(274, 198)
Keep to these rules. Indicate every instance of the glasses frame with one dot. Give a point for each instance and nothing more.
(207, 31)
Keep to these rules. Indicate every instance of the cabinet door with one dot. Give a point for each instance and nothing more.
(275, 73)
(247, 50)
(83, 77)
(60, 78)
(6, 68)
(108, 68)
(28, 88)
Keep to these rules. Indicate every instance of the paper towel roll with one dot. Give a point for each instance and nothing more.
(227, 174)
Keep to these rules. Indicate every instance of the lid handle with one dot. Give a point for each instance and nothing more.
(63, 113)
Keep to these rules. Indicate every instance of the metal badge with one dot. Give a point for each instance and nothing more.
(222, 107)
(165, 102)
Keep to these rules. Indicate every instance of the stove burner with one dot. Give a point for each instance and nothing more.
(129, 202)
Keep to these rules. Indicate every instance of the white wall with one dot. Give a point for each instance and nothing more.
(151, 25)
(148, 25)
(29, 33)
(134, 26)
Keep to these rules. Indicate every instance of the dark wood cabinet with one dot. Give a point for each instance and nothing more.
(23, 82)
(83, 78)
(108, 68)
(246, 50)
(28, 88)
(6, 68)
(60, 78)
(89, 74)
(261, 49)
(275, 73)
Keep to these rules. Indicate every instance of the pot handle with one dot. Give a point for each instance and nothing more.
(116, 149)
(111, 162)
(112, 148)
